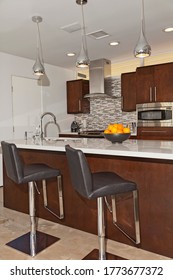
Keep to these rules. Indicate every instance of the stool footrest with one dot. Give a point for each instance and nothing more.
(60, 199)
(125, 233)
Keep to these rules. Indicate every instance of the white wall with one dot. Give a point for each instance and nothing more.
(54, 94)
(53, 91)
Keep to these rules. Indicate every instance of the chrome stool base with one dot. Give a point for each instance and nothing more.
(22, 243)
(94, 255)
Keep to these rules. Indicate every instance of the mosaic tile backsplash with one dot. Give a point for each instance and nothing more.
(106, 110)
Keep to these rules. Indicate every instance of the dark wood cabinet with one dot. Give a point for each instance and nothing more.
(76, 103)
(155, 133)
(154, 83)
(128, 91)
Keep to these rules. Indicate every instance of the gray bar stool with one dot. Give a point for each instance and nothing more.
(35, 241)
(98, 185)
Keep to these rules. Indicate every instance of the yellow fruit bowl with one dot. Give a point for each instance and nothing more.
(116, 137)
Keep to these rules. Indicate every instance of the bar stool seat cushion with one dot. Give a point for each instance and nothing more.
(35, 172)
(109, 183)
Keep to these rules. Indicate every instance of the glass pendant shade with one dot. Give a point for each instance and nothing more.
(142, 48)
(83, 59)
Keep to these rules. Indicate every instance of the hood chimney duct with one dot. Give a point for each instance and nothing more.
(99, 74)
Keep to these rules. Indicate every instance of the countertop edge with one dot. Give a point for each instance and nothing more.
(130, 148)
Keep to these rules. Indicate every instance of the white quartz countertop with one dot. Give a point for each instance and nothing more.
(154, 149)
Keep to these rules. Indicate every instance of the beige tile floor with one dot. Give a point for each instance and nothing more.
(73, 244)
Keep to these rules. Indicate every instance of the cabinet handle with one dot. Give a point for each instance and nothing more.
(155, 94)
(79, 105)
(153, 131)
(150, 94)
(122, 102)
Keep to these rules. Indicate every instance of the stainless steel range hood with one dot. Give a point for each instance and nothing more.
(99, 78)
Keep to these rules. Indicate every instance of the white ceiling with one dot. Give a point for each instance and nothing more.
(119, 18)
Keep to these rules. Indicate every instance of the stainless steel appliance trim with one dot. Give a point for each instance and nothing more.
(154, 131)
(155, 106)
(155, 123)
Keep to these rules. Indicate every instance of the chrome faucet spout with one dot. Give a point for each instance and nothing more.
(48, 113)
(41, 123)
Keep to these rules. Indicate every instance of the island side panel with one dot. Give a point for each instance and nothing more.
(154, 180)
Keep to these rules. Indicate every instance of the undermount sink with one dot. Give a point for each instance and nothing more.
(56, 139)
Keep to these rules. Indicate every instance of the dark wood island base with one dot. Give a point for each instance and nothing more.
(154, 178)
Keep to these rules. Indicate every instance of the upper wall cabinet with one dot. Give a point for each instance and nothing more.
(128, 91)
(76, 103)
(154, 83)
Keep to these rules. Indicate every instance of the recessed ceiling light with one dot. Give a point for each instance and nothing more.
(168, 29)
(114, 43)
(71, 54)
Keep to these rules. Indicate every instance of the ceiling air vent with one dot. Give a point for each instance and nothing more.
(73, 27)
(98, 34)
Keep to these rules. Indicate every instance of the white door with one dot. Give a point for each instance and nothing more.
(27, 106)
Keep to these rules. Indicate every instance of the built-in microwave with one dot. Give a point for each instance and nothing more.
(155, 114)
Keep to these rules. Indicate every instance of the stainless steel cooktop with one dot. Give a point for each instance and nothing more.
(92, 133)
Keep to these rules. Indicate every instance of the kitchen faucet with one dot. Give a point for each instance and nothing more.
(42, 116)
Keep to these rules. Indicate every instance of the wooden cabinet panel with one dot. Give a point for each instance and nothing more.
(154, 83)
(155, 133)
(128, 91)
(163, 75)
(144, 84)
(76, 103)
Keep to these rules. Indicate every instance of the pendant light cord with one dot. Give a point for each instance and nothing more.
(142, 17)
(142, 62)
(39, 45)
(84, 32)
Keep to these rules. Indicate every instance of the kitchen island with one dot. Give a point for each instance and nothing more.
(148, 163)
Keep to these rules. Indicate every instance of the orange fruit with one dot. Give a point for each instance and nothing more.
(106, 131)
(114, 129)
(119, 130)
(115, 125)
(110, 126)
(120, 126)
(126, 130)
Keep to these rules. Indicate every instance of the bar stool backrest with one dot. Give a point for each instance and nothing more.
(13, 162)
(79, 170)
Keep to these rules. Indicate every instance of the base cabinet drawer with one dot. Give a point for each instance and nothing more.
(155, 133)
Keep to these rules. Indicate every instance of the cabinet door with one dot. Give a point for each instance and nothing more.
(128, 91)
(76, 103)
(144, 84)
(163, 89)
(85, 103)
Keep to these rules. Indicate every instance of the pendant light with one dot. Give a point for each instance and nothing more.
(83, 60)
(38, 66)
(142, 48)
